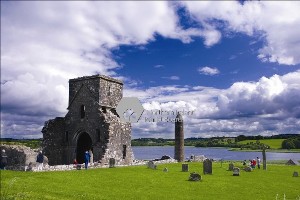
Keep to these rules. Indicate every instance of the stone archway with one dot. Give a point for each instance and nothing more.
(84, 143)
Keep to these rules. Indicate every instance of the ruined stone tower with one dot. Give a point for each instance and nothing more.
(179, 139)
(90, 124)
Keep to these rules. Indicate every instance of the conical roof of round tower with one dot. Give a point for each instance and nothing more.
(179, 117)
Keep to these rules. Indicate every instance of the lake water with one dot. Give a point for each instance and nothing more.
(148, 153)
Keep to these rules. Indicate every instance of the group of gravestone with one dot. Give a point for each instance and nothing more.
(236, 170)
(207, 169)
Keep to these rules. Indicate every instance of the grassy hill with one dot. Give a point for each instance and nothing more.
(138, 182)
(273, 143)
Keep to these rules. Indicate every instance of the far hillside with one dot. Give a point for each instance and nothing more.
(272, 143)
(32, 143)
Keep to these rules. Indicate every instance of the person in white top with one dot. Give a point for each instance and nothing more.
(258, 162)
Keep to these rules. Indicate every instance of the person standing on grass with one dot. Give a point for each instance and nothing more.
(86, 159)
(244, 163)
(91, 156)
(40, 161)
(254, 163)
(250, 163)
(258, 162)
(3, 159)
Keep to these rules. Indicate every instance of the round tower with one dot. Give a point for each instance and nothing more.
(179, 139)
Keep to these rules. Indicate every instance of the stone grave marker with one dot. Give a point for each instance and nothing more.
(236, 171)
(185, 167)
(295, 174)
(151, 165)
(231, 166)
(195, 177)
(248, 169)
(112, 163)
(207, 166)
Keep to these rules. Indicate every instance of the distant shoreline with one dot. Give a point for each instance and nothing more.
(267, 150)
(235, 149)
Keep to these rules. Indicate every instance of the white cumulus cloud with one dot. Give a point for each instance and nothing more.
(208, 71)
(278, 22)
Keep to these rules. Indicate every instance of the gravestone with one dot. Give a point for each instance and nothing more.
(151, 165)
(165, 169)
(236, 171)
(248, 169)
(185, 167)
(207, 166)
(112, 163)
(231, 166)
(295, 174)
(195, 177)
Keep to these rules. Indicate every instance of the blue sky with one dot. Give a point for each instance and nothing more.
(235, 58)
(236, 65)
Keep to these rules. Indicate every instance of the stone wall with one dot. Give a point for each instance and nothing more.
(53, 140)
(111, 92)
(76, 84)
(19, 156)
(119, 140)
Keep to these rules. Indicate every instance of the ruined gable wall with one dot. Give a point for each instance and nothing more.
(91, 123)
(91, 83)
(53, 140)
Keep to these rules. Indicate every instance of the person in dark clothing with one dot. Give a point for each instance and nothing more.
(40, 161)
(86, 159)
(3, 160)
(244, 163)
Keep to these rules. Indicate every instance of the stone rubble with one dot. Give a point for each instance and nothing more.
(199, 158)
(23, 158)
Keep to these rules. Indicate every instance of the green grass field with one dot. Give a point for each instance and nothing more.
(138, 182)
(273, 143)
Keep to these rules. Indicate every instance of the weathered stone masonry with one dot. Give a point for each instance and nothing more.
(91, 123)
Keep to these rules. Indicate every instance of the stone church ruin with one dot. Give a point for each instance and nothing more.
(91, 123)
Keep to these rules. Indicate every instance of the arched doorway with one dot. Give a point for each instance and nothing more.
(84, 143)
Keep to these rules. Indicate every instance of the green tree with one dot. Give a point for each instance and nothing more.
(288, 144)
